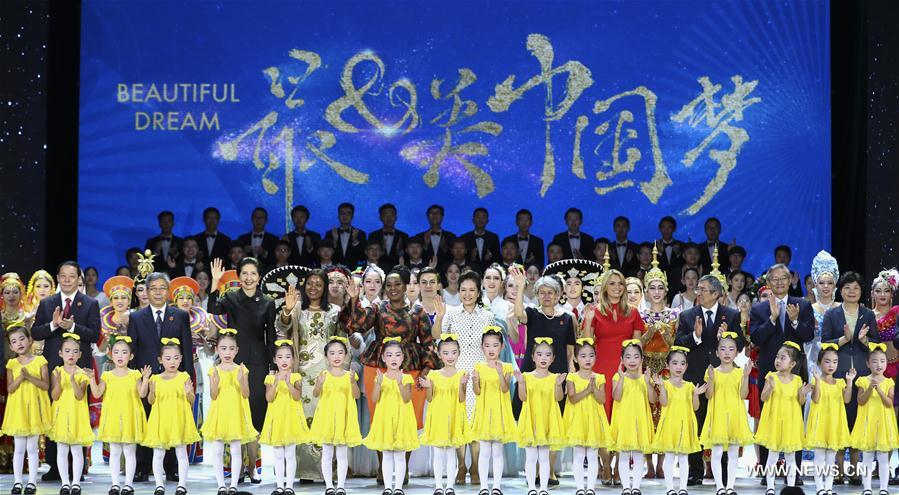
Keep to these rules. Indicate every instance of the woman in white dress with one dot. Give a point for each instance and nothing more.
(450, 292)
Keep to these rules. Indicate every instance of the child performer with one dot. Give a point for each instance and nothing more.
(71, 419)
(827, 430)
(632, 428)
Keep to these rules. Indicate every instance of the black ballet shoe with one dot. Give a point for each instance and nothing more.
(626, 491)
(636, 491)
(127, 490)
(114, 490)
(771, 492)
(496, 491)
(720, 491)
(278, 491)
(581, 492)
(450, 491)
(532, 492)
(682, 492)
(387, 491)
(75, 490)
(484, 492)
(866, 492)
(883, 492)
(289, 491)
(231, 491)
(160, 490)
(65, 489)
(183, 491)
(30, 489)
(439, 492)
(544, 492)
(730, 491)
(671, 492)
(330, 491)
(821, 492)
(16, 489)
(399, 492)
(340, 491)
(590, 492)
(222, 491)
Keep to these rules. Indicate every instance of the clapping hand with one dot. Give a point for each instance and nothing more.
(793, 312)
(851, 374)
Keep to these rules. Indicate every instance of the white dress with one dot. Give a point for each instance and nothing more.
(469, 326)
(451, 299)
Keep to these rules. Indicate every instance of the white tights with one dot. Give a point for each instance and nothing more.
(342, 451)
(115, 462)
(491, 451)
(733, 457)
(578, 468)
(630, 475)
(683, 465)
(531, 456)
(181, 454)
(218, 461)
(883, 468)
(62, 462)
(445, 458)
(20, 446)
(393, 468)
(824, 460)
(286, 465)
(790, 464)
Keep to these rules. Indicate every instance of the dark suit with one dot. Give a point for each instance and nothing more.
(480, 261)
(349, 255)
(669, 264)
(154, 244)
(629, 265)
(145, 341)
(853, 353)
(700, 357)
(390, 254)
(307, 257)
(442, 251)
(220, 246)
(769, 338)
(269, 241)
(586, 250)
(535, 252)
(86, 312)
(705, 259)
(180, 269)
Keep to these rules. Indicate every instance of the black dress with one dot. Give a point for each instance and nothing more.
(254, 320)
(560, 328)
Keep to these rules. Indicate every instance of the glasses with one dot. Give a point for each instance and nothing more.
(429, 282)
(779, 279)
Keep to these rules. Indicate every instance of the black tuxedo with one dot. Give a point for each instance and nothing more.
(307, 257)
(667, 264)
(442, 251)
(269, 242)
(86, 312)
(390, 254)
(586, 250)
(701, 356)
(220, 246)
(180, 269)
(535, 252)
(154, 244)
(349, 255)
(629, 265)
(490, 250)
(705, 259)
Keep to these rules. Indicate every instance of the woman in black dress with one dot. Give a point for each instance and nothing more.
(252, 314)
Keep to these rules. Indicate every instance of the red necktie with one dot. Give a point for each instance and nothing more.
(67, 311)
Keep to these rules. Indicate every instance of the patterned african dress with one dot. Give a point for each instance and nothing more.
(664, 323)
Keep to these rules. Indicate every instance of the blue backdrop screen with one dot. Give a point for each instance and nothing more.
(644, 109)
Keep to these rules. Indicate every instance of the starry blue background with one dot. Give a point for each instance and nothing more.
(778, 193)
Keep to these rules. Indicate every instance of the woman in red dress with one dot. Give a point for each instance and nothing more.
(610, 321)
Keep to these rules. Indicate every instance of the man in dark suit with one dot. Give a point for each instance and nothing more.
(530, 247)
(302, 241)
(437, 241)
(165, 244)
(482, 245)
(574, 243)
(623, 252)
(188, 264)
(68, 311)
(212, 243)
(146, 327)
(707, 248)
(349, 242)
(698, 329)
(779, 318)
(392, 241)
(670, 249)
(258, 243)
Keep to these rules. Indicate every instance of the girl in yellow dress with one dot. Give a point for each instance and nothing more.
(335, 425)
(677, 434)
(285, 423)
(123, 420)
(540, 424)
(71, 419)
(229, 420)
(875, 432)
(781, 427)
(827, 430)
(632, 429)
(726, 425)
(394, 429)
(492, 424)
(27, 414)
(585, 423)
(171, 422)
(446, 425)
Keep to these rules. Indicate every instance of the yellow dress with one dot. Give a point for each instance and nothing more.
(540, 423)
(28, 408)
(781, 428)
(875, 425)
(171, 421)
(393, 425)
(492, 420)
(229, 416)
(631, 418)
(446, 424)
(71, 418)
(336, 419)
(285, 422)
(726, 420)
(123, 419)
(827, 427)
(585, 422)
(677, 432)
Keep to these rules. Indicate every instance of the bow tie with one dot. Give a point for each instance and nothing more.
(169, 238)
(574, 236)
(479, 236)
(344, 231)
(522, 238)
(437, 233)
(621, 244)
(210, 236)
(257, 236)
(666, 244)
(190, 264)
(388, 233)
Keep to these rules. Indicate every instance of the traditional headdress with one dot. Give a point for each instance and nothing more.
(30, 302)
(823, 263)
(144, 266)
(654, 273)
(229, 281)
(585, 270)
(119, 284)
(717, 274)
(12, 279)
(276, 282)
(889, 277)
(183, 285)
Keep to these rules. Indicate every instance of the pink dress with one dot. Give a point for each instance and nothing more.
(608, 335)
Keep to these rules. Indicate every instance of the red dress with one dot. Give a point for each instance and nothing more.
(608, 335)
